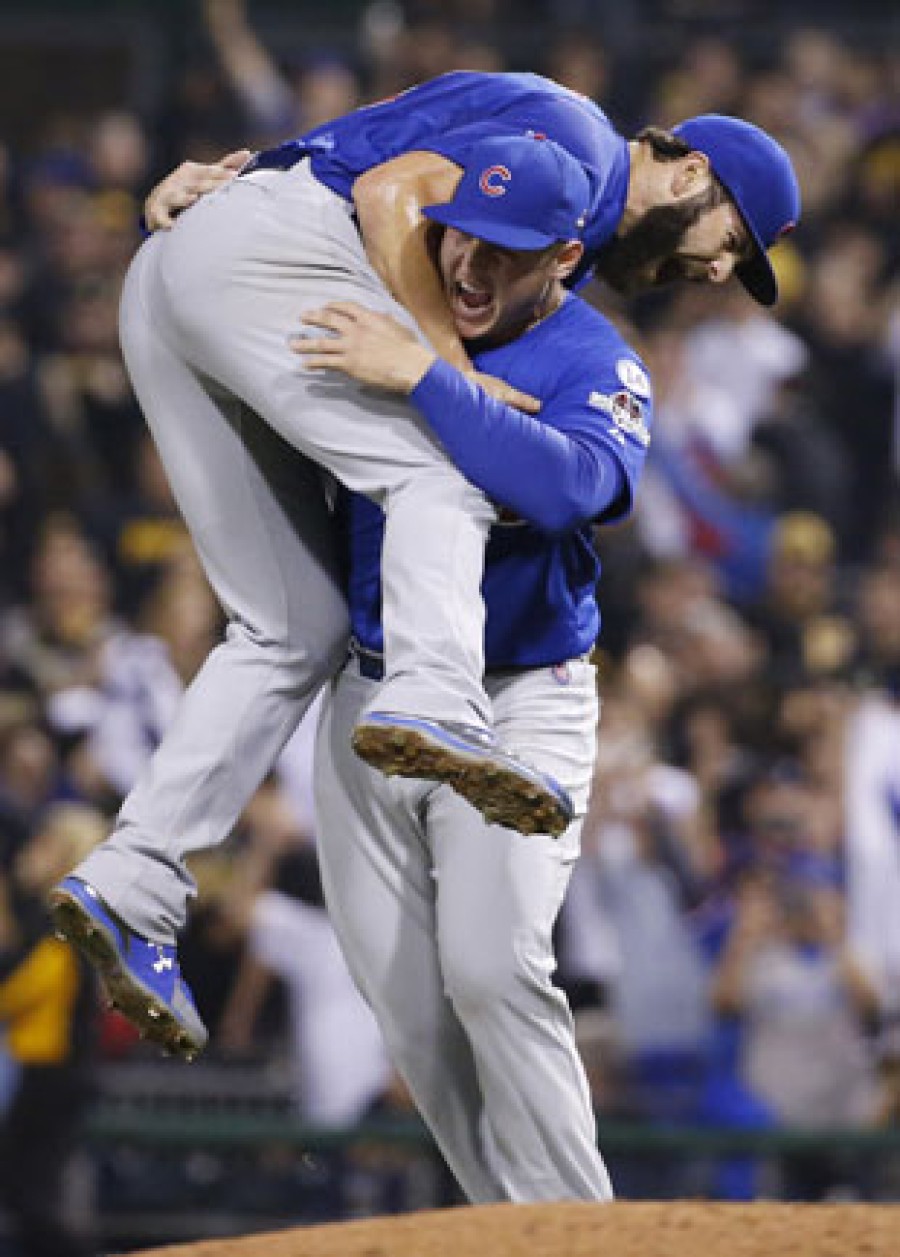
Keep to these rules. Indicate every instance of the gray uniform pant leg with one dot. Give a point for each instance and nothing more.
(258, 516)
(236, 273)
(446, 924)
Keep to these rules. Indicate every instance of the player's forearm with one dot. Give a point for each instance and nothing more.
(551, 480)
(395, 236)
(400, 258)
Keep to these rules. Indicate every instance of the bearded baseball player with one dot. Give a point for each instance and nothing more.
(243, 428)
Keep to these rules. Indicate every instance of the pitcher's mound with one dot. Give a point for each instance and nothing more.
(676, 1229)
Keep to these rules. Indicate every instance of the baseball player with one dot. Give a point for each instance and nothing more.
(205, 311)
(446, 923)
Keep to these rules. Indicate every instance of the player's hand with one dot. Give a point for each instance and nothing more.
(503, 392)
(187, 184)
(375, 349)
(370, 347)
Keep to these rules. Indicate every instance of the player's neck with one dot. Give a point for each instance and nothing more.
(551, 299)
(549, 302)
(642, 190)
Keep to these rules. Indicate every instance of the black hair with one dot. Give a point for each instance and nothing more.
(668, 147)
(665, 145)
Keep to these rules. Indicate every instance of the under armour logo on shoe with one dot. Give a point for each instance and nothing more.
(164, 962)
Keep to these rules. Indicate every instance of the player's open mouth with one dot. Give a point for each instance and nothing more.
(471, 298)
(473, 308)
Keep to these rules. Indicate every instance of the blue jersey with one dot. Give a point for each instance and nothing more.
(551, 474)
(448, 114)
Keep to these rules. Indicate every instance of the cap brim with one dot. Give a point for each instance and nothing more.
(758, 278)
(757, 274)
(506, 235)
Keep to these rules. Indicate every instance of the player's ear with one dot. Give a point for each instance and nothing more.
(568, 257)
(690, 174)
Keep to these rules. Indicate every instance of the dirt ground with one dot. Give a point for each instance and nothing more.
(671, 1229)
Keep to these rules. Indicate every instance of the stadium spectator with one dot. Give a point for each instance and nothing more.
(48, 1006)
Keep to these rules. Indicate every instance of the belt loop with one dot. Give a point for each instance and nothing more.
(369, 662)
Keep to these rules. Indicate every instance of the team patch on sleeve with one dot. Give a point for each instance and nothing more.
(626, 412)
(633, 376)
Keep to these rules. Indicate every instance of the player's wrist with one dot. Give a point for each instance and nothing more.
(447, 345)
(414, 365)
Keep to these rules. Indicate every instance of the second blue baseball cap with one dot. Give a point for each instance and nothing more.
(518, 191)
(758, 175)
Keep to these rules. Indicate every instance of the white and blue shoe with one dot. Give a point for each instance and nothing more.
(470, 759)
(142, 979)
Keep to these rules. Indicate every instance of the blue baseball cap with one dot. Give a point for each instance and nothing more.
(518, 191)
(758, 175)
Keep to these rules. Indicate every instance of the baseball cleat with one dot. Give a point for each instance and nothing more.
(469, 758)
(142, 979)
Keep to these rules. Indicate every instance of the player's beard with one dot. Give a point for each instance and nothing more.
(624, 263)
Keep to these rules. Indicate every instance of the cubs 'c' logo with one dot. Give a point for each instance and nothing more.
(492, 180)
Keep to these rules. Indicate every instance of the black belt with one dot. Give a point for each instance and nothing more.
(283, 157)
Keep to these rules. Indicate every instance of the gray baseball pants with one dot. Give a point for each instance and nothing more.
(445, 923)
(239, 421)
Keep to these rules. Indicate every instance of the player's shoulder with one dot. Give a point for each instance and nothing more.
(596, 363)
(612, 381)
(598, 338)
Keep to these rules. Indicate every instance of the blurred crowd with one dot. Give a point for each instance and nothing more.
(731, 942)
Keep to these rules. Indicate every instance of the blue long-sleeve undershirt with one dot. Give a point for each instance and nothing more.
(555, 480)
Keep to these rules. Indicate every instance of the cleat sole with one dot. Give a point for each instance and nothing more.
(500, 794)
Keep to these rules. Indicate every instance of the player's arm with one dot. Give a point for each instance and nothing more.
(574, 465)
(558, 472)
(389, 200)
